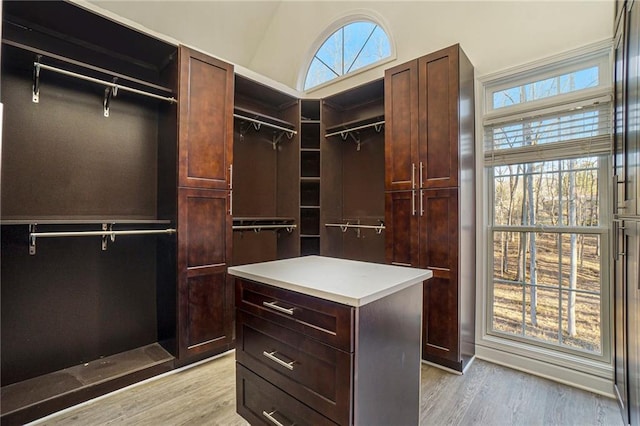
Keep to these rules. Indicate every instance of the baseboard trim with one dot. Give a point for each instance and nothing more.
(567, 376)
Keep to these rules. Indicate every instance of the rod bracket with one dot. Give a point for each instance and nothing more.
(32, 239)
(35, 89)
(109, 93)
(108, 235)
(277, 137)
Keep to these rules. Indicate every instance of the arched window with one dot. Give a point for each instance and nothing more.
(352, 47)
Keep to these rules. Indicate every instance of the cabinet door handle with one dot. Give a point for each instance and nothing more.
(421, 204)
(413, 175)
(273, 305)
(230, 176)
(272, 419)
(421, 167)
(230, 203)
(413, 203)
(272, 356)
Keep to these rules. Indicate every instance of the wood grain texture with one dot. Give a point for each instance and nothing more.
(487, 394)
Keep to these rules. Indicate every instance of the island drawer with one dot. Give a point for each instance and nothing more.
(326, 321)
(260, 402)
(314, 373)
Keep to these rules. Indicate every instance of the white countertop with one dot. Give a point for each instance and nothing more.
(349, 282)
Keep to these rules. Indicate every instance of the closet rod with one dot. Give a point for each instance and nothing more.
(274, 126)
(38, 65)
(56, 57)
(351, 129)
(348, 225)
(344, 226)
(100, 233)
(259, 227)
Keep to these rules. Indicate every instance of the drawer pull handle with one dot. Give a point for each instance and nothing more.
(272, 356)
(271, 418)
(273, 305)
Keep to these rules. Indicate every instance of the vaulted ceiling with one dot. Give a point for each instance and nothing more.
(274, 38)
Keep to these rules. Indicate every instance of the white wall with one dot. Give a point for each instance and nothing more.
(494, 34)
(273, 38)
(230, 30)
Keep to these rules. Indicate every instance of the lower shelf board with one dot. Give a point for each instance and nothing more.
(34, 398)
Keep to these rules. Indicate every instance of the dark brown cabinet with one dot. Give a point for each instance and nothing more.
(305, 359)
(205, 298)
(626, 223)
(205, 126)
(430, 202)
(205, 197)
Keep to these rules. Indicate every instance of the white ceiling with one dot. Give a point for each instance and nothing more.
(273, 38)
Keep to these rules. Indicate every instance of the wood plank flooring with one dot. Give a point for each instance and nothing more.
(487, 394)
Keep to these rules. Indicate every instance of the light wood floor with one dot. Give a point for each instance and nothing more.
(487, 394)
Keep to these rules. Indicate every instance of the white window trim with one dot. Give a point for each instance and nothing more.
(595, 375)
(357, 15)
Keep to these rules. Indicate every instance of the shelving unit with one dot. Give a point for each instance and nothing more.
(88, 154)
(352, 217)
(265, 173)
(310, 160)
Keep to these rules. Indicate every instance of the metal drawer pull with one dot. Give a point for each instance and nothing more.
(271, 418)
(271, 355)
(273, 305)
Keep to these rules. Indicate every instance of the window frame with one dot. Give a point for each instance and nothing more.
(328, 32)
(576, 360)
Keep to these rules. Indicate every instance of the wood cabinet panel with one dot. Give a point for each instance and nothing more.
(438, 96)
(205, 298)
(401, 126)
(401, 222)
(319, 375)
(209, 309)
(326, 321)
(205, 121)
(439, 229)
(258, 399)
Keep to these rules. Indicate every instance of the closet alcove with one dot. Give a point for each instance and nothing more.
(352, 170)
(265, 173)
(88, 207)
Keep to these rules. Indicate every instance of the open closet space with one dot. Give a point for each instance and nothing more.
(265, 173)
(352, 191)
(88, 214)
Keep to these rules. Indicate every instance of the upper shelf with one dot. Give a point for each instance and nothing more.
(98, 221)
(342, 129)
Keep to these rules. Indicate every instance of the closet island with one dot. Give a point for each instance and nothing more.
(322, 340)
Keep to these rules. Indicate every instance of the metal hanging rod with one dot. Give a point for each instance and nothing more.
(105, 233)
(289, 132)
(258, 228)
(344, 226)
(343, 133)
(37, 66)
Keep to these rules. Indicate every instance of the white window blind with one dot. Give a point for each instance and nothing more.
(578, 129)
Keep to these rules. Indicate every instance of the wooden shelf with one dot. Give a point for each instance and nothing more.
(263, 117)
(347, 125)
(83, 221)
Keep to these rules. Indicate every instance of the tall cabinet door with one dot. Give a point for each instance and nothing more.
(438, 119)
(206, 121)
(401, 126)
(439, 253)
(205, 298)
(205, 137)
(632, 237)
(401, 223)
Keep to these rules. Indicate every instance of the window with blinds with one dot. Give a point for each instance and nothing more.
(547, 141)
